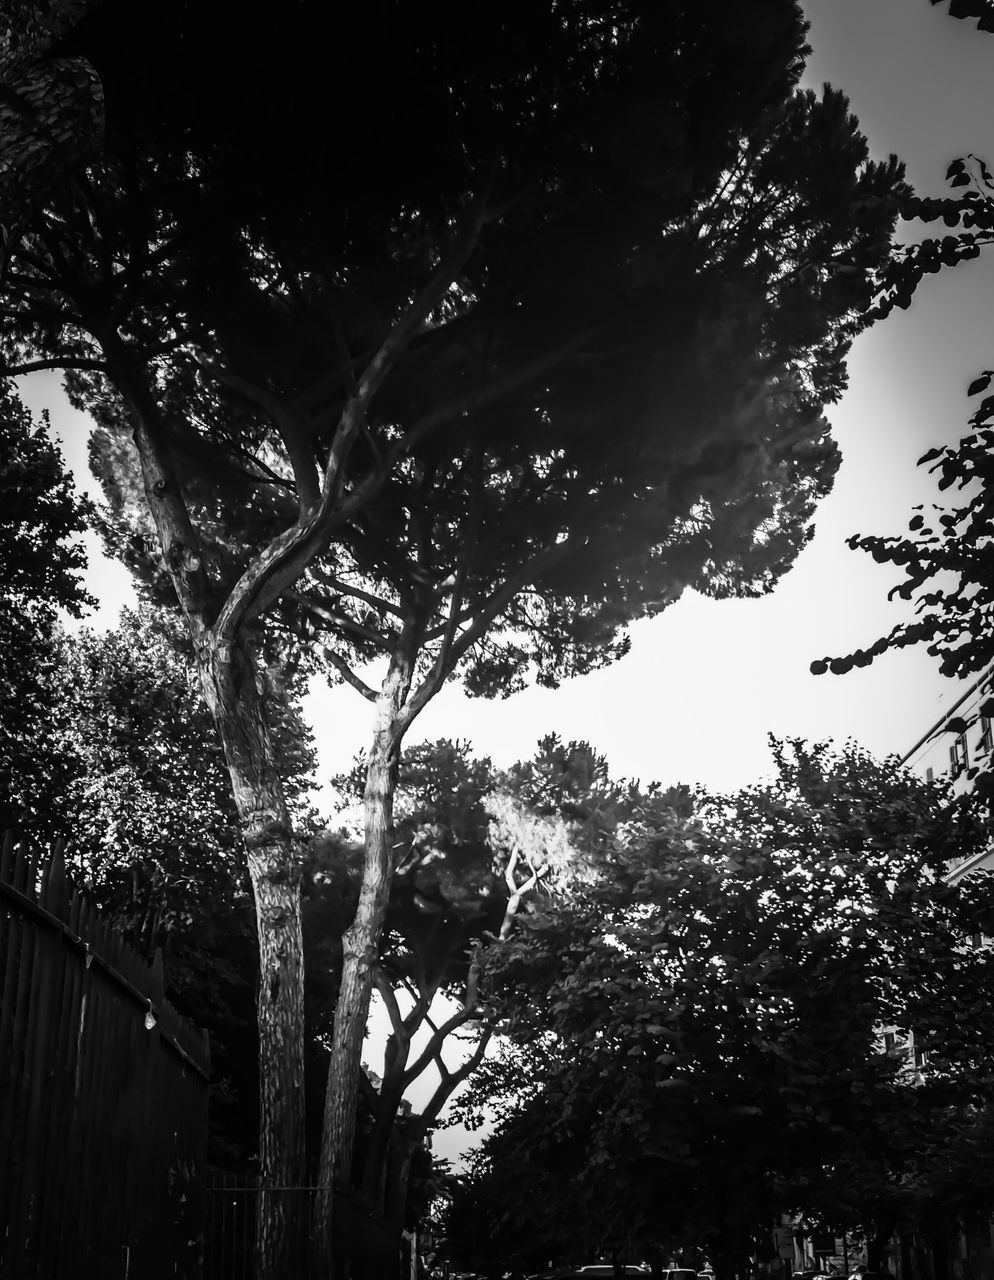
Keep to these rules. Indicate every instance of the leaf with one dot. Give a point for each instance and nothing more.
(981, 383)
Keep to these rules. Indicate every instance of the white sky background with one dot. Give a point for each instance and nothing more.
(707, 680)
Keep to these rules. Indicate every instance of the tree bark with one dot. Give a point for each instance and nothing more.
(231, 687)
(360, 947)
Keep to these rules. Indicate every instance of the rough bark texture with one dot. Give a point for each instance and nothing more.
(234, 698)
(360, 946)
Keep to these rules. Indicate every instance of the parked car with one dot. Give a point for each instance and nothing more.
(682, 1273)
(591, 1269)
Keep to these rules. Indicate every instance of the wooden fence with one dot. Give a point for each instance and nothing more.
(103, 1093)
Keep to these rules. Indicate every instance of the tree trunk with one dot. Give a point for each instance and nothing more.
(232, 689)
(376, 1156)
(397, 1178)
(231, 686)
(876, 1246)
(360, 950)
(938, 1243)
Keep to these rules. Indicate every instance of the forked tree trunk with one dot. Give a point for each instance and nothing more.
(360, 952)
(230, 682)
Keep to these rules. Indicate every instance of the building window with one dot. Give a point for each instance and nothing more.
(986, 734)
(959, 755)
(929, 775)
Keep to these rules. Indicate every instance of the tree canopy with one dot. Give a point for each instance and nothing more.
(696, 1035)
(723, 269)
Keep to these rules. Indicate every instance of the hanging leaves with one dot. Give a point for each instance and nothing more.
(51, 109)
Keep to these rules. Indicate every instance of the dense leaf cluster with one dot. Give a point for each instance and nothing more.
(970, 214)
(41, 562)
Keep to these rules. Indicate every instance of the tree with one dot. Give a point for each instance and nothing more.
(475, 846)
(695, 1033)
(41, 562)
(557, 348)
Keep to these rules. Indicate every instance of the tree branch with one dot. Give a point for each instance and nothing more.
(528, 573)
(451, 1081)
(339, 621)
(434, 1045)
(455, 601)
(67, 362)
(389, 998)
(511, 910)
(348, 589)
(288, 555)
(349, 676)
(305, 472)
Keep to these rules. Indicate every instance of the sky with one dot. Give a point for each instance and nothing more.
(707, 681)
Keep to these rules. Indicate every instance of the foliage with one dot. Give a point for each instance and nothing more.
(971, 210)
(946, 554)
(947, 559)
(982, 10)
(474, 847)
(51, 108)
(41, 560)
(695, 1034)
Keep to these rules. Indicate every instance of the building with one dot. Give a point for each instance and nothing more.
(959, 743)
